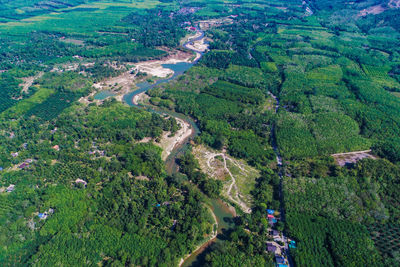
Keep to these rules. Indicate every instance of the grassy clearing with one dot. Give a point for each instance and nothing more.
(23, 106)
(75, 20)
(212, 164)
(245, 179)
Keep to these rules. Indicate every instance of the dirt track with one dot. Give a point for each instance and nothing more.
(233, 197)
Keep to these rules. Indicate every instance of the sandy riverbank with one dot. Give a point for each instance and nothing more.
(168, 143)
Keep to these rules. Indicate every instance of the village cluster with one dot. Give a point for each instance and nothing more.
(279, 246)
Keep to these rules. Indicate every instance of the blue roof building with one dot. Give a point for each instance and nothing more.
(280, 260)
(270, 211)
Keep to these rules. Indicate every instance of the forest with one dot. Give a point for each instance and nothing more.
(285, 88)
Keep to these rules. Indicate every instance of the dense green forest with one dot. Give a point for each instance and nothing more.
(284, 86)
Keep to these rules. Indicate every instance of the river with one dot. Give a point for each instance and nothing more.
(220, 209)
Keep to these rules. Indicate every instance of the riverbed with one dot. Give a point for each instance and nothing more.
(221, 210)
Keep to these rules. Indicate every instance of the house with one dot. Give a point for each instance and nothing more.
(56, 147)
(10, 188)
(28, 160)
(281, 265)
(1, 168)
(271, 212)
(292, 244)
(280, 259)
(42, 216)
(271, 248)
(23, 165)
(80, 181)
(271, 216)
(14, 155)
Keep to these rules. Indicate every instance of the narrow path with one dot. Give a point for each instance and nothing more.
(205, 243)
(352, 153)
(236, 198)
(28, 81)
(280, 173)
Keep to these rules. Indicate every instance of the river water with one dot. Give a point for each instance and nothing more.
(220, 209)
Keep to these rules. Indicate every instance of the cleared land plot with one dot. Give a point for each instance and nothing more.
(239, 179)
(352, 157)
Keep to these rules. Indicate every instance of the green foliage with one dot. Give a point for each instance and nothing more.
(293, 137)
(115, 217)
(234, 93)
(268, 66)
(389, 149)
(9, 90)
(331, 242)
(190, 166)
(155, 27)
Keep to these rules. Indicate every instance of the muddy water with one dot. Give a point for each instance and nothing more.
(220, 209)
(225, 226)
(103, 95)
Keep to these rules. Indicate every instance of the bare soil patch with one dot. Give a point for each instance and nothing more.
(343, 159)
(168, 143)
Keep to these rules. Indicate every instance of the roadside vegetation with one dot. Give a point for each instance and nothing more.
(86, 182)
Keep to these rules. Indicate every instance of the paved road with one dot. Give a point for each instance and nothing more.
(281, 174)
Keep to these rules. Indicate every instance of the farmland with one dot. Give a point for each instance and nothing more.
(258, 127)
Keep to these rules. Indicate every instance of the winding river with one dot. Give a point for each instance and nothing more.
(220, 209)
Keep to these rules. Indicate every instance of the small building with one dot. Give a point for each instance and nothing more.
(14, 155)
(10, 188)
(80, 181)
(23, 165)
(1, 168)
(271, 248)
(271, 216)
(28, 160)
(275, 233)
(42, 216)
(270, 211)
(280, 260)
(56, 147)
